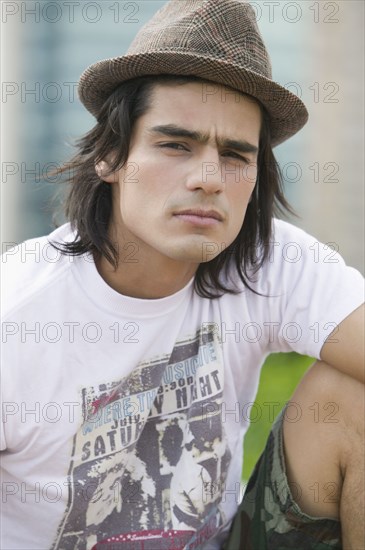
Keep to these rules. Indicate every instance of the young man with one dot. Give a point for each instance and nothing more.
(122, 390)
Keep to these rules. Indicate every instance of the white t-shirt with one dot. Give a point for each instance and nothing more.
(123, 419)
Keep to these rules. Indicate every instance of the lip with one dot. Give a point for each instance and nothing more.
(199, 216)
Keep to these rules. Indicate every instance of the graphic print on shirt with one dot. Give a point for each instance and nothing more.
(149, 463)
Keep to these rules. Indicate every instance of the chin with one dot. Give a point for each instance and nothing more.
(197, 253)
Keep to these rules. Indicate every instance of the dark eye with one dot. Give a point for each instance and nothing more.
(234, 155)
(173, 145)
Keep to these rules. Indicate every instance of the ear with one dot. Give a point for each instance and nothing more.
(101, 168)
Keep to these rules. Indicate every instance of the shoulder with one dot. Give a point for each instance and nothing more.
(286, 234)
(300, 263)
(293, 249)
(297, 259)
(27, 269)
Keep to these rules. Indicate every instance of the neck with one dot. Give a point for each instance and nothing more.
(145, 280)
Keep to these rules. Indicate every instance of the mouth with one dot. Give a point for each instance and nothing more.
(198, 216)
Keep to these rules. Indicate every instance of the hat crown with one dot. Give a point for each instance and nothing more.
(215, 40)
(223, 29)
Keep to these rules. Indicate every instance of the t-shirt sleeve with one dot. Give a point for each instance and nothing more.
(2, 422)
(311, 291)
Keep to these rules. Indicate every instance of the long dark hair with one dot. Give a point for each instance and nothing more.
(88, 203)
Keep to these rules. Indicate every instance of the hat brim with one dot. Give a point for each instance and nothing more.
(287, 112)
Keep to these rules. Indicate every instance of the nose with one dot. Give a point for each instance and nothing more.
(206, 173)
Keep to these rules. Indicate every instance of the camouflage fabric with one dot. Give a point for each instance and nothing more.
(268, 518)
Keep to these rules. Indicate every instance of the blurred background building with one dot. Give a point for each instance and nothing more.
(317, 51)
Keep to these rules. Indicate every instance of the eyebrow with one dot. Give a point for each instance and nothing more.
(172, 130)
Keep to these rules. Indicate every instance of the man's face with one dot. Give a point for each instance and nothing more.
(183, 193)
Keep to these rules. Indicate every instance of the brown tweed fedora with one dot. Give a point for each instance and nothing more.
(217, 40)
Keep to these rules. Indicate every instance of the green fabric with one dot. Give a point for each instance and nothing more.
(268, 518)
